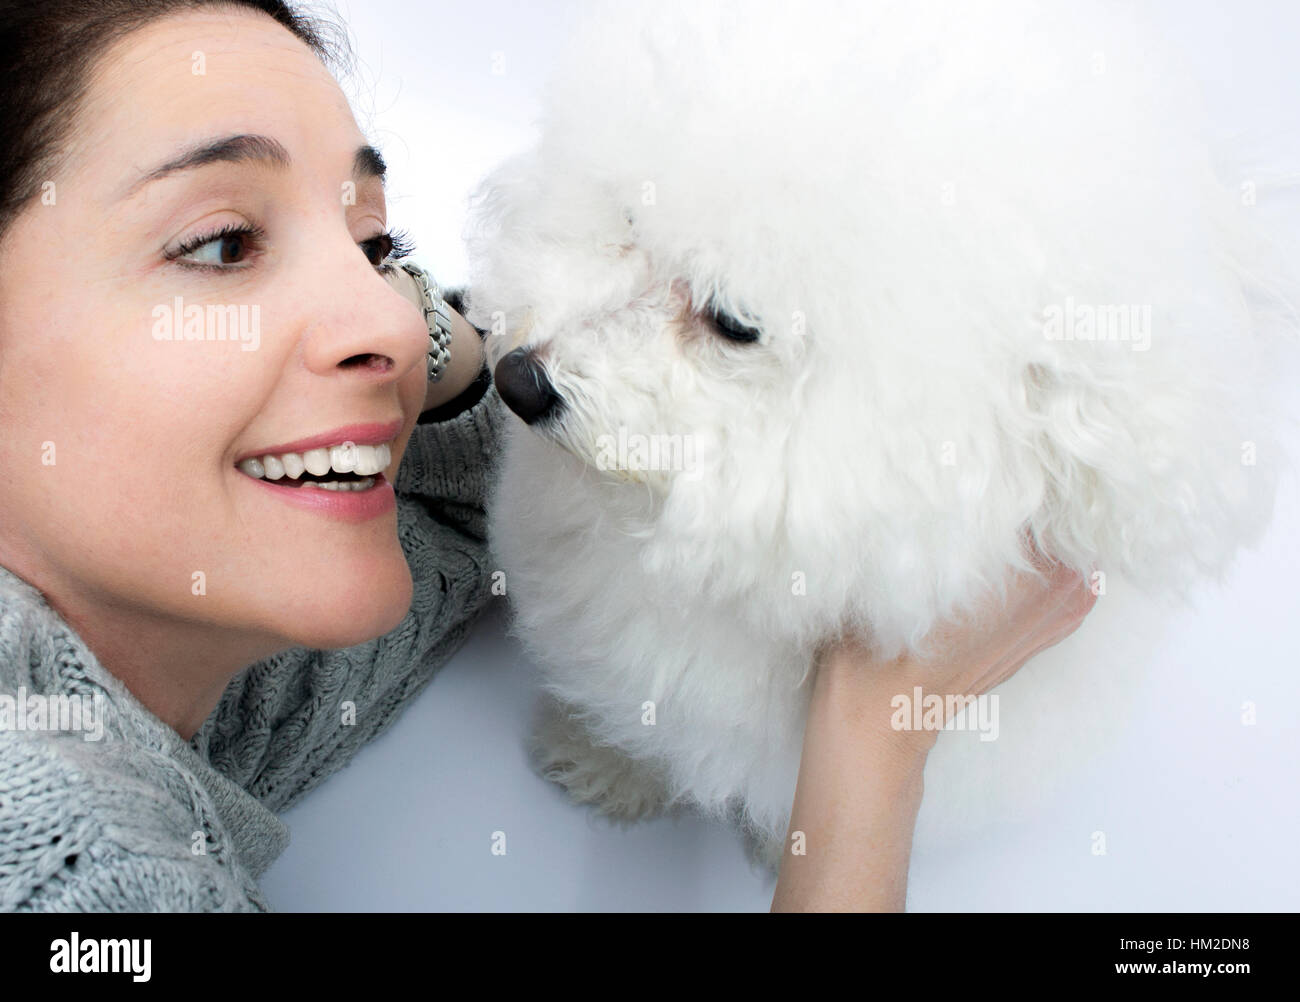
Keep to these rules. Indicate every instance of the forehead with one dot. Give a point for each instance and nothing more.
(190, 76)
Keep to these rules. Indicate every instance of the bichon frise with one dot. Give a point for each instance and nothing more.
(812, 314)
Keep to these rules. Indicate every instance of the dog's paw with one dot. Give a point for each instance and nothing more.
(620, 787)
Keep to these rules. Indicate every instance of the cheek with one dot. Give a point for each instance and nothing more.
(114, 433)
(411, 392)
(413, 388)
(73, 395)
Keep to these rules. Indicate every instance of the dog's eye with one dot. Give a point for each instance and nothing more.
(731, 328)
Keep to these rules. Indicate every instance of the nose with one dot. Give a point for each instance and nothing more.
(522, 383)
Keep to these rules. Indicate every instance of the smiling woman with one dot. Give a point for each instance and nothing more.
(244, 505)
(289, 491)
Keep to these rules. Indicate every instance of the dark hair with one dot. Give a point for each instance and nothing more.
(49, 50)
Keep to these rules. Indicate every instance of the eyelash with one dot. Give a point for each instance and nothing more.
(395, 245)
(399, 245)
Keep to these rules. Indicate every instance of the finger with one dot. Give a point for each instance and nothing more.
(1053, 621)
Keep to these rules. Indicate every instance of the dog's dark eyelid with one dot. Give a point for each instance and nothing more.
(732, 328)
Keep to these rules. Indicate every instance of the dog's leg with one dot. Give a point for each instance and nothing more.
(620, 787)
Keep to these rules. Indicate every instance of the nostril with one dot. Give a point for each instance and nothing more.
(376, 363)
(524, 386)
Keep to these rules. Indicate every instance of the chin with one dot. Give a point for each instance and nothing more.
(928, 284)
(351, 608)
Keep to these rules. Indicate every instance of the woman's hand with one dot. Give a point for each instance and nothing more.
(860, 780)
(466, 347)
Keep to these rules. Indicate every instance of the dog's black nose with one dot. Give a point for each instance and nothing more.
(522, 383)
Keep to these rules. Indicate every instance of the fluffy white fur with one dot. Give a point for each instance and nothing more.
(897, 195)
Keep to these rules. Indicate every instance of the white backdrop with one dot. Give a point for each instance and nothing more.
(1199, 809)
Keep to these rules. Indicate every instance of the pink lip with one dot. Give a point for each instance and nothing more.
(358, 434)
(347, 506)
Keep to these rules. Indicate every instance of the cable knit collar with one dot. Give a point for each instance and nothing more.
(42, 654)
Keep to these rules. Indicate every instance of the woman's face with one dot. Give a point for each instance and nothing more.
(122, 490)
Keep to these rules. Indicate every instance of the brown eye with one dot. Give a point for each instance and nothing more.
(378, 249)
(386, 248)
(232, 248)
(214, 251)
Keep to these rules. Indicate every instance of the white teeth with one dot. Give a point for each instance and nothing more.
(372, 459)
(343, 458)
(293, 465)
(362, 460)
(342, 485)
(317, 461)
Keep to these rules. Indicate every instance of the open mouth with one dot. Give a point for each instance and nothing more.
(344, 467)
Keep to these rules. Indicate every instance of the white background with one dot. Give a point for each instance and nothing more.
(1199, 811)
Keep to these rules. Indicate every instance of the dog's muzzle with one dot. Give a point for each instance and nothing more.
(525, 388)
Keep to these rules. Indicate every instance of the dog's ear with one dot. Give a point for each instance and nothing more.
(1143, 473)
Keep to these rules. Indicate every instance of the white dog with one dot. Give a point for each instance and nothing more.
(813, 312)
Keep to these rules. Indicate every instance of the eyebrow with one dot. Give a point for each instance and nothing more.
(366, 162)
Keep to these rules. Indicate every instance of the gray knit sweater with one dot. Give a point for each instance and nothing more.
(142, 820)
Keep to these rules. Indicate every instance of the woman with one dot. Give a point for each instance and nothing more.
(195, 328)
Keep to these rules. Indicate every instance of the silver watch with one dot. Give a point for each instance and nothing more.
(438, 318)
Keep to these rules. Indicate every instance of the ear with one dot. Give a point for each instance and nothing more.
(1144, 475)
